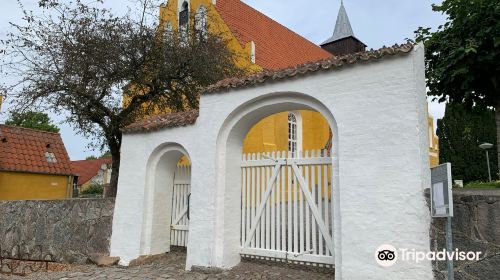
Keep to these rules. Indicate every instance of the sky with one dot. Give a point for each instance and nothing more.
(376, 23)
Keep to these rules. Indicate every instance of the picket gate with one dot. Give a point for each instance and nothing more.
(286, 207)
(180, 223)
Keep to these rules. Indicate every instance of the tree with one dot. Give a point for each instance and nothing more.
(80, 60)
(460, 133)
(31, 119)
(463, 55)
(104, 155)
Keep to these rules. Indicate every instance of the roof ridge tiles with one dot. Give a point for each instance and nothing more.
(31, 129)
(189, 117)
(302, 69)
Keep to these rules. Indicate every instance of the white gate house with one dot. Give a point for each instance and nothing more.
(315, 208)
(286, 211)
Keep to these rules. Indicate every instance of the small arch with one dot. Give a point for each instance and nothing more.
(161, 167)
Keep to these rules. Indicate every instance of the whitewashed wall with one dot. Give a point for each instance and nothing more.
(377, 111)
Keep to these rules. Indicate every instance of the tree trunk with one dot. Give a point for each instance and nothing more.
(115, 170)
(497, 120)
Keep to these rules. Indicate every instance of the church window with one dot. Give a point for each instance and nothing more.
(200, 19)
(167, 30)
(294, 134)
(184, 21)
(184, 15)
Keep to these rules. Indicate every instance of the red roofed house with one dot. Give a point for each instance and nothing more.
(92, 172)
(34, 164)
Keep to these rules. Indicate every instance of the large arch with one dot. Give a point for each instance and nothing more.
(229, 149)
(161, 166)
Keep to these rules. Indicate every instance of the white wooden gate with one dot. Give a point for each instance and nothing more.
(287, 209)
(180, 206)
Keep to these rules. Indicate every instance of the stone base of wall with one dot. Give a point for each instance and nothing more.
(476, 227)
(65, 231)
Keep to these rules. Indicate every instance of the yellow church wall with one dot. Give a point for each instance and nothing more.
(216, 25)
(271, 133)
(29, 186)
(433, 144)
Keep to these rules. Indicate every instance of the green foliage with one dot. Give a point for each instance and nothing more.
(462, 56)
(460, 133)
(483, 185)
(104, 155)
(31, 119)
(93, 189)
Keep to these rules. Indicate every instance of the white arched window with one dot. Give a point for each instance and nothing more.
(200, 19)
(294, 134)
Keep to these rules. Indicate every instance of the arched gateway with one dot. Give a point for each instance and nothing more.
(377, 170)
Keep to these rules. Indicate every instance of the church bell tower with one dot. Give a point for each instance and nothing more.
(343, 40)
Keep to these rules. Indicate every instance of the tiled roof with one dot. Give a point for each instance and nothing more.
(189, 117)
(277, 47)
(334, 62)
(166, 120)
(29, 150)
(87, 169)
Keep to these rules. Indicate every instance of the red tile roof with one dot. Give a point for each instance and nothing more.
(87, 169)
(166, 120)
(24, 150)
(276, 46)
(189, 117)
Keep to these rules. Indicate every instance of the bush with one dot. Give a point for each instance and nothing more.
(483, 185)
(93, 189)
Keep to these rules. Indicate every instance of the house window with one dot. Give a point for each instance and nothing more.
(50, 157)
(294, 134)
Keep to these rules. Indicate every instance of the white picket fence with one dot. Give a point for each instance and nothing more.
(287, 209)
(179, 223)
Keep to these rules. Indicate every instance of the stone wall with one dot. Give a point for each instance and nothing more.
(68, 230)
(476, 227)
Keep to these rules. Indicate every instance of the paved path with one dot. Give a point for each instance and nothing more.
(171, 266)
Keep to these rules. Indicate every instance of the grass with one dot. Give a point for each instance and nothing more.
(483, 185)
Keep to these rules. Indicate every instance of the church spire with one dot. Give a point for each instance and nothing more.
(343, 40)
(343, 27)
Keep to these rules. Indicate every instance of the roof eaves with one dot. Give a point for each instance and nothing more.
(335, 62)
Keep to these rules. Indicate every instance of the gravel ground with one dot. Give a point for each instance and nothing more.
(171, 266)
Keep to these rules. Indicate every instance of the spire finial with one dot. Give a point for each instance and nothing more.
(343, 27)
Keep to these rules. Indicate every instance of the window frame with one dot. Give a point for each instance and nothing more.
(294, 135)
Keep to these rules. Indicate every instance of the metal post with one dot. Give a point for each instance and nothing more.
(488, 161)
(449, 248)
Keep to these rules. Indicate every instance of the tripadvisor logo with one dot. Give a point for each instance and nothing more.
(387, 255)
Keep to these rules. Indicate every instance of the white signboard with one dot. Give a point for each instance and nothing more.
(441, 194)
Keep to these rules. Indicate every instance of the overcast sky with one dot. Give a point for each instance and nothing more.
(376, 23)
